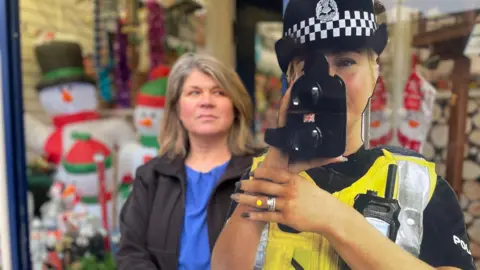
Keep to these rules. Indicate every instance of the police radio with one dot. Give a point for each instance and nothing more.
(382, 213)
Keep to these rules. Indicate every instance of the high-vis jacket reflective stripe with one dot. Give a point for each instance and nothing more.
(416, 180)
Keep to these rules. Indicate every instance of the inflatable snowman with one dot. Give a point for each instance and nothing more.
(381, 132)
(416, 113)
(85, 172)
(69, 96)
(147, 116)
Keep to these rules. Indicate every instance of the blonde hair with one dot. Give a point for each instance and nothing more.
(173, 135)
(373, 62)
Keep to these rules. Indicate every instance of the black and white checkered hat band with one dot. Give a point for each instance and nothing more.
(360, 24)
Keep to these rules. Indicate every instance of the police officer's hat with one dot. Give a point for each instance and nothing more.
(330, 26)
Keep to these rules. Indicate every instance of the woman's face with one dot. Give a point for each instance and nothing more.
(204, 107)
(359, 75)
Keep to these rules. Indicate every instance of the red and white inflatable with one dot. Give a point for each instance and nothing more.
(69, 96)
(147, 116)
(416, 112)
(93, 179)
(381, 131)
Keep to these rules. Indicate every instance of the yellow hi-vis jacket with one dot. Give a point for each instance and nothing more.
(416, 180)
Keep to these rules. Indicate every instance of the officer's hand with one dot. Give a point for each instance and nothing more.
(299, 203)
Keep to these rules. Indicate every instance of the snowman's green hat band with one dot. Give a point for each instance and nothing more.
(94, 199)
(87, 167)
(61, 62)
(63, 73)
(79, 136)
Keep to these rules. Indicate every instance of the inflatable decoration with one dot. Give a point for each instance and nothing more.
(69, 97)
(147, 116)
(84, 172)
(381, 131)
(416, 112)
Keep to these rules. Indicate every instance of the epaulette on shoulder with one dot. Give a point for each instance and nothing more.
(259, 158)
(398, 150)
(261, 152)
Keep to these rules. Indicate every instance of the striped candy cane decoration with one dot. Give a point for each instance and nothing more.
(102, 195)
(156, 33)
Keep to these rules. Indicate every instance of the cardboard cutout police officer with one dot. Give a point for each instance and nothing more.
(318, 199)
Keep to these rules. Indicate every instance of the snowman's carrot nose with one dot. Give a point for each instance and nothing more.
(413, 123)
(69, 190)
(146, 122)
(375, 124)
(66, 96)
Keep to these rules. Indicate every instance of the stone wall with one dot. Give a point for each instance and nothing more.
(436, 150)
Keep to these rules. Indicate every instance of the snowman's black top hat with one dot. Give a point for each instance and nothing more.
(331, 26)
(61, 62)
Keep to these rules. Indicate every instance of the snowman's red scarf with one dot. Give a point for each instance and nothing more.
(383, 140)
(53, 146)
(407, 142)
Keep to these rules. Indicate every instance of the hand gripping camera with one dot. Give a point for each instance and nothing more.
(317, 113)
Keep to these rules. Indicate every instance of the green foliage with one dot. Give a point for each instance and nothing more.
(90, 262)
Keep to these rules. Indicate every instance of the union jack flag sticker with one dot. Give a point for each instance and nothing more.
(309, 118)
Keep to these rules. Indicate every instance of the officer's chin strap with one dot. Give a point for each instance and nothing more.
(366, 126)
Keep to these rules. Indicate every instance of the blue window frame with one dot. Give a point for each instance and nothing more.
(11, 87)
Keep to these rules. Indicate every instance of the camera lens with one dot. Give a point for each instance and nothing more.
(296, 101)
(294, 143)
(316, 92)
(316, 137)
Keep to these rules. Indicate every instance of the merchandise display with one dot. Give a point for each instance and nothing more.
(84, 162)
(103, 43)
(83, 147)
(122, 71)
(75, 224)
(156, 33)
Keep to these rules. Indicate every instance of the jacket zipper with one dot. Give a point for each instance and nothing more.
(179, 237)
(210, 202)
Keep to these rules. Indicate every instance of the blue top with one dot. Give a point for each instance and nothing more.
(194, 242)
